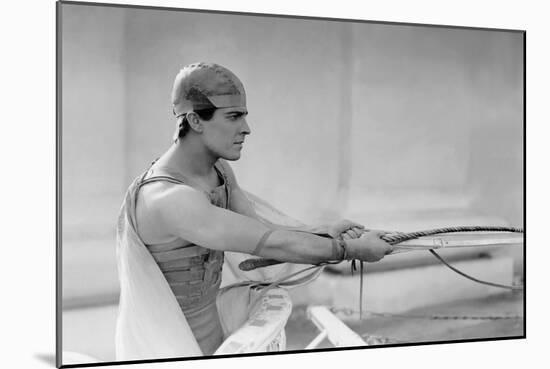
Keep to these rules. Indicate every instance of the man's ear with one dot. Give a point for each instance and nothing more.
(194, 121)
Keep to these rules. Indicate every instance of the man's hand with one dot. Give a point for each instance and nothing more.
(369, 247)
(345, 229)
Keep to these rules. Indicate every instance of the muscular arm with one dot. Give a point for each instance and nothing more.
(187, 213)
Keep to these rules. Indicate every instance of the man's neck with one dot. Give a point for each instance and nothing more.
(190, 158)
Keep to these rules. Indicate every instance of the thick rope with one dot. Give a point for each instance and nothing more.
(400, 237)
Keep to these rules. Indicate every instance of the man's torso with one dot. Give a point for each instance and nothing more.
(193, 272)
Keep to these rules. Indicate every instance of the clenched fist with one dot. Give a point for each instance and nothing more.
(345, 229)
(369, 247)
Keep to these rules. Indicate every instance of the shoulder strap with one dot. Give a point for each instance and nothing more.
(160, 178)
(155, 178)
(218, 166)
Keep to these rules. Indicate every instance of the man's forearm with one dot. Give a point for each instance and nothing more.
(299, 247)
(320, 230)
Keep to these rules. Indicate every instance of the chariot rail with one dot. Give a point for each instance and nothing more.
(455, 240)
(264, 330)
(331, 328)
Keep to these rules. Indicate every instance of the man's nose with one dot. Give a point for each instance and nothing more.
(245, 129)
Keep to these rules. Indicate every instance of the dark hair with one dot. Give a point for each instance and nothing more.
(204, 114)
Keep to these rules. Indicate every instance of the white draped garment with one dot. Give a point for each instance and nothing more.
(150, 323)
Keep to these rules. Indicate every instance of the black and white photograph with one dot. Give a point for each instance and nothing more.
(235, 184)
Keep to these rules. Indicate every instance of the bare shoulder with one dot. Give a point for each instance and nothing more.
(160, 197)
(162, 207)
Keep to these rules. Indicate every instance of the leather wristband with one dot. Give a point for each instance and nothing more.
(339, 249)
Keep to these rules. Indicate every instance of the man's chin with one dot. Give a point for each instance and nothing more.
(233, 156)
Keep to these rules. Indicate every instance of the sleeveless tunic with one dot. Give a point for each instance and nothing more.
(194, 272)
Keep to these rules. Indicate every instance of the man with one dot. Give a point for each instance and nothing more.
(188, 208)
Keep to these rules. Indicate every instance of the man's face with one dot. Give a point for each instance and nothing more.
(225, 132)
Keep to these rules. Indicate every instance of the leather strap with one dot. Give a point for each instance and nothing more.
(261, 242)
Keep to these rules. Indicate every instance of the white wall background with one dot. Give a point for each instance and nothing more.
(406, 107)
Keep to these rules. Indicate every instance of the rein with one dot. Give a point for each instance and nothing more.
(395, 239)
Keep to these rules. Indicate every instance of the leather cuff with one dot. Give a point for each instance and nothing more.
(339, 249)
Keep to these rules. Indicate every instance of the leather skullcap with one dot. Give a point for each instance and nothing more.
(206, 85)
